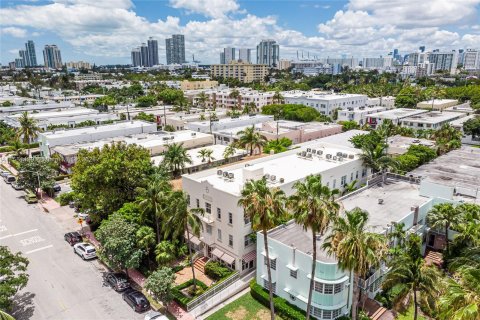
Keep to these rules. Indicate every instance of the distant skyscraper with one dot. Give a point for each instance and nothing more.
(245, 54)
(268, 52)
(227, 56)
(175, 49)
(23, 58)
(471, 59)
(444, 60)
(52, 57)
(136, 57)
(152, 52)
(144, 55)
(31, 55)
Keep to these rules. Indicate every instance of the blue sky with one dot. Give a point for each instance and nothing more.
(105, 31)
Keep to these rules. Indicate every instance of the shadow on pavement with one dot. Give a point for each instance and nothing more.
(23, 306)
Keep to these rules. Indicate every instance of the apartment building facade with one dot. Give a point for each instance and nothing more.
(242, 71)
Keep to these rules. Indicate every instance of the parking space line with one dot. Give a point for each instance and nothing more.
(20, 233)
(39, 249)
(5, 237)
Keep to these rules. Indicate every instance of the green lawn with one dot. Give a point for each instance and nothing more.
(408, 315)
(244, 308)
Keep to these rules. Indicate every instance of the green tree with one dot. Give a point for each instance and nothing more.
(202, 99)
(7, 103)
(349, 125)
(313, 207)
(444, 216)
(146, 101)
(206, 155)
(170, 96)
(447, 138)
(36, 173)
(145, 117)
(13, 275)
(472, 127)
(250, 139)
(409, 272)
(7, 133)
(277, 146)
(119, 243)
(235, 95)
(277, 97)
(409, 96)
(104, 179)
(165, 252)
(230, 150)
(175, 158)
(104, 102)
(377, 159)
(266, 208)
(355, 248)
(160, 284)
(28, 128)
(146, 241)
(249, 108)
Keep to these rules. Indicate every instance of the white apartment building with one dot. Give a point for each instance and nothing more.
(226, 229)
(180, 120)
(31, 108)
(54, 138)
(228, 123)
(437, 104)
(466, 139)
(70, 118)
(387, 102)
(381, 63)
(76, 99)
(395, 115)
(325, 102)
(471, 59)
(359, 115)
(430, 120)
(220, 98)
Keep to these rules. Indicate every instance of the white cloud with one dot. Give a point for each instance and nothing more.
(209, 8)
(14, 32)
(14, 51)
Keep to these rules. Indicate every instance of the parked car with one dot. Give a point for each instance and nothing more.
(83, 215)
(85, 250)
(10, 179)
(154, 315)
(118, 281)
(17, 186)
(136, 300)
(71, 204)
(4, 173)
(30, 196)
(57, 188)
(73, 237)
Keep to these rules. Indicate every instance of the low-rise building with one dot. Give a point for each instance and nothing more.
(359, 115)
(33, 108)
(155, 143)
(228, 123)
(466, 139)
(226, 234)
(464, 107)
(242, 71)
(180, 120)
(437, 104)
(387, 102)
(395, 115)
(76, 99)
(221, 98)
(430, 120)
(325, 102)
(50, 139)
(198, 85)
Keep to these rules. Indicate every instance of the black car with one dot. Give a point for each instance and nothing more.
(73, 237)
(57, 188)
(118, 281)
(136, 300)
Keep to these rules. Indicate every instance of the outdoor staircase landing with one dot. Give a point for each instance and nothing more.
(199, 264)
(380, 311)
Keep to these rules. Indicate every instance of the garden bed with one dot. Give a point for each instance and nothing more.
(181, 294)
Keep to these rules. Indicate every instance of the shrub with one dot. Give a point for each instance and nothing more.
(65, 198)
(6, 149)
(217, 271)
(182, 299)
(14, 163)
(283, 308)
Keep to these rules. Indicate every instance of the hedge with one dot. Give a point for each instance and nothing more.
(6, 149)
(283, 308)
(180, 298)
(14, 163)
(65, 198)
(61, 177)
(216, 271)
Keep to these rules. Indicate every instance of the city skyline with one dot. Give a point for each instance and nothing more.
(325, 28)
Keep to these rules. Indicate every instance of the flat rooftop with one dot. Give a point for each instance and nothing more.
(438, 102)
(465, 107)
(320, 95)
(398, 198)
(40, 106)
(434, 117)
(399, 144)
(96, 129)
(459, 122)
(59, 113)
(460, 167)
(343, 138)
(287, 167)
(398, 113)
(232, 121)
(292, 234)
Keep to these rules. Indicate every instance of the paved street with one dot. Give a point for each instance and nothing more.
(61, 285)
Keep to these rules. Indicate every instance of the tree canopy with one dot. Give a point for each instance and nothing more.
(37, 173)
(295, 112)
(13, 272)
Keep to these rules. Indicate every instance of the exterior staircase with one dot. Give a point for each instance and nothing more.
(435, 258)
(199, 264)
(380, 311)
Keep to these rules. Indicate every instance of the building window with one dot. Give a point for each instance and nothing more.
(364, 172)
(219, 214)
(230, 240)
(208, 207)
(188, 199)
(246, 218)
(230, 218)
(328, 288)
(273, 263)
(334, 183)
(209, 229)
(336, 313)
(327, 314)
(293, 274)
(318, 286)
(248, 239)
(343, 182)
(356, 175)
(219, 235)
(266, 285)
(338, 287)
(197, 202)
(316, 312)
(351, 176)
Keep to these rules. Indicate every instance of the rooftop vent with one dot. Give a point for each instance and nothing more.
(329, 156)
(309, 150)
(231, 176)
(319, 152)
(380, 201)
(351, 156)
(219, 172)
(334, 158)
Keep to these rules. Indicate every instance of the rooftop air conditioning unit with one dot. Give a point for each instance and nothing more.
(314, 151)
(219, 172)
(329, 156)
(225, 174)
(273, 178)
(282, 180)
(380, 201)
(231, 176)
(334, 158)
(267, 176)
(339, 154)
(351, 156)
(344, 155)
(299, 154)
(304, 154)
(309, 150)
(172, 137)
(309, 155)
(319, 152)
(194, 134)
(340, 158)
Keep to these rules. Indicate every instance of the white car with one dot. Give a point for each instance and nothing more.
(85, 250)
(154, 315)
(83, 215)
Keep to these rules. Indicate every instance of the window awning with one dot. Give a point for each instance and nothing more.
(217, 253)
(250, 256)
(193, 239)
(228, 259)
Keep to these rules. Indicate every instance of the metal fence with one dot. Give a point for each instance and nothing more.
(213, 291)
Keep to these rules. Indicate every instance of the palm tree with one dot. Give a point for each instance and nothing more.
(313, 206)
(5, 316)
(409, 271)
(235, 95)
(249, 139)
(176, 157)
(18, 148)
(202, 98)
(443, 215)
(165, 252)
(355, 248)
(461, 298)
(146, 241)
(265, 208)
(350, 187)
(28, 129)
(447, 138)
(230, 150)
(277, 97)
(386, 129)
(250, 108)
(184, 221)
(375, 157)
(206, 154)
(436, 92)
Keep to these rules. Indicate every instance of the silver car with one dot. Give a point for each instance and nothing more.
(85, 250)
